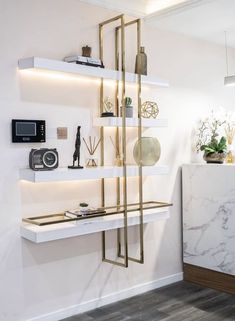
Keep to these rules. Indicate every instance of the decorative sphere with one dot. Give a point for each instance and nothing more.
(149, 109)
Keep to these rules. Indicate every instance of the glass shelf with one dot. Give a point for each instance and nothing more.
(103, 212)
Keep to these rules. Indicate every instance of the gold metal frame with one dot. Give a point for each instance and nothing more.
(49, 219)
(141, 227)
(121, 28)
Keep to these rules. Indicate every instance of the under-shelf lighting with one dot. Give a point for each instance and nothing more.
(228, 80)
(57, 75)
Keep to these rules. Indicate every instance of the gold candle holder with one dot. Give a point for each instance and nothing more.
(230, 132)
(118, 161)
(119, 157)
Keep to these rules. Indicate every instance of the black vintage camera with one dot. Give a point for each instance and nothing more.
(43, 159)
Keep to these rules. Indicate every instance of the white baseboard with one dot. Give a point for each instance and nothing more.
(107, 299)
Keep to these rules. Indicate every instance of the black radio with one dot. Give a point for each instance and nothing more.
(28, 131)
(43, 159)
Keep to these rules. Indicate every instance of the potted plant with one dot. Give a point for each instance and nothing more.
(129, 108)
(210, 139)
(215, 151)
(83, 208)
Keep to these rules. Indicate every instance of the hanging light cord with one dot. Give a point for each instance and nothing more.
(226, 50)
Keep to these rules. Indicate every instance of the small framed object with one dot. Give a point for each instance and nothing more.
(62, 133)
(28, 131)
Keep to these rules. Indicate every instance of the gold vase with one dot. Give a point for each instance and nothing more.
(151, 151)
(141, 62)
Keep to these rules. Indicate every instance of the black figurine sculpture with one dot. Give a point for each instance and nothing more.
(76, 154)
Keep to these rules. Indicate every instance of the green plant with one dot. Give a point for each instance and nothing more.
(128, 101)
(215, 146)
(209, 130)
(83, 204)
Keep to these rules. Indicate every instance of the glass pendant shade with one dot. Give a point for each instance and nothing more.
(228, 80)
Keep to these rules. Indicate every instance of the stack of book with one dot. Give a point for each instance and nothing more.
(78, 213)
(88, 61)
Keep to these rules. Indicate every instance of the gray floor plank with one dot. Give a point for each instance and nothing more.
(182, 301)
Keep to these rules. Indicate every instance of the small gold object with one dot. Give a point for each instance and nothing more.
(119, 158)
(91, 146)
(230, 133)
(149, 109)
(108, 105)
(118, 161)
(141, 62)
(229, 157)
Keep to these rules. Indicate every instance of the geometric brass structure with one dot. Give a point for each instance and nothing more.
(149, 109)
(120, 60)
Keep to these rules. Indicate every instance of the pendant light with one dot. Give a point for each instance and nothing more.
(228, 80)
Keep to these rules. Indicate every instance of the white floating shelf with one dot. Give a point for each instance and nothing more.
(38, 63)
(65, 174)
(39, 234)
(130, 122)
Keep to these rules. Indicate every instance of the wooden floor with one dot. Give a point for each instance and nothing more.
(181, 301)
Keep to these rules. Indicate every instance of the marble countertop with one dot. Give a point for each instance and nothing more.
(209, 216)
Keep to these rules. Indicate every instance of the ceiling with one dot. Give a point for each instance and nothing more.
(206, 21)
(139, 8)
(203, 19)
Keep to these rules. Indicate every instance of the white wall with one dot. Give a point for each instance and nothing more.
(38, 280)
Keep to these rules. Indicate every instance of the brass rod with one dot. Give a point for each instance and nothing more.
(111, 20)
(117, 90)
(133, 259)
(115, 263)
(118, 154)
(101, 52)
(161, 204)
(103, 246)
(102, 214)
(140, 170)
(119, 244)
(119, 210)
(141, 225)
(124, 141)
(129, 23)
(117, 133)
(89, 150)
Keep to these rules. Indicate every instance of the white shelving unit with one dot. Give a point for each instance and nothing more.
(130, 122)
(39, 234)
(65, 174)
(37, 63)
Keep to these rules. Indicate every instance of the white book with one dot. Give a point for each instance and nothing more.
(75, 59)
(84, 60)
(78, 213)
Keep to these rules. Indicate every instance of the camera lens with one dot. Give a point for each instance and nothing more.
(50, 159)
